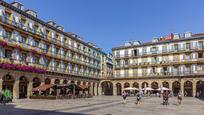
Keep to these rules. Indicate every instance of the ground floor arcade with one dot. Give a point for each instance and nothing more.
(190, 87)
(22, 83)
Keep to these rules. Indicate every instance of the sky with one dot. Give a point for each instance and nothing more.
(111, 23)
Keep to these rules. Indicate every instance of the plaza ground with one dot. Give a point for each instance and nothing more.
(104, 105)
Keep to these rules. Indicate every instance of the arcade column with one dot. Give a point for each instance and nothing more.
(1, 84)
(29, 90)
(16, 90)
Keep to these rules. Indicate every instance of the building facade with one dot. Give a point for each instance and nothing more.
(34, 52)
(174, 62)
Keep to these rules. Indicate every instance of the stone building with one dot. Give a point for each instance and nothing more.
(175, 62)
(34, 52)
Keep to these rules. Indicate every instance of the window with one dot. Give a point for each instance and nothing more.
(135, 52)
(176, 47)
(8, 53)
(200, 55)
(117, 54)
(23, 57)
(154, 50)
(144, 50)
(164, 48)
(188, 46)
(126, 53)
(200, 45)
(126, 62)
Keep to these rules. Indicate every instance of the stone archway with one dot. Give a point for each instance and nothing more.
(107, 88)
(188, 89)
(23, 86)
(8, 82)
(154, 85)
(119, 88)
(176, 87)
(136, 85)
(200, 88)
(165, 84)
(65, 81)
(47, 81)
(78, 82)
(144, 84)
(57, 81)
(126, 84)
(36, 82)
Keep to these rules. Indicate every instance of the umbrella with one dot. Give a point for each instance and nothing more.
(147, 88)
(163, 88)
(131, 88)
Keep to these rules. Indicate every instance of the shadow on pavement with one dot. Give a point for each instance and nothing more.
(201, 98)
(11, 110)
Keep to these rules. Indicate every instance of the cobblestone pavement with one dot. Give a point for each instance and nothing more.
(104, 105)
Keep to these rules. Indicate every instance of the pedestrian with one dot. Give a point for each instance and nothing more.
(139, 97)
(179, 98)
(166, 98)
(124, 95)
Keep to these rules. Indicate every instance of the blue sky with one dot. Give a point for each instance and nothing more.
(110, 23)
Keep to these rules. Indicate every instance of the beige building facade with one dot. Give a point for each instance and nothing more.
(34, 53)
(173, 62)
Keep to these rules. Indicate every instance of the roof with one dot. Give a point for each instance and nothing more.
(194, 36)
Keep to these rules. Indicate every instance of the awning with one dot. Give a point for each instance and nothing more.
(148, 88)
(83, 87)
(78, 87)
(43, 87)
(131, 88)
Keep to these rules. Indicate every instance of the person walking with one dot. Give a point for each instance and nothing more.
(124, 95)
(139, 97)
(166, 98)
(179, 97)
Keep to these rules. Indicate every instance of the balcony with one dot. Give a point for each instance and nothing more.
(162, 74)
(160, 52)
(161, 63)
(44, 37)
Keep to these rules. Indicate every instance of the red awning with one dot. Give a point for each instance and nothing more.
(43, 87)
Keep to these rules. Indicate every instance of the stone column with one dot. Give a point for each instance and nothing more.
(16, 90)
(122, 87)
(140, 85)
(114, 89)
(194, 88)
(53, 81)
(99, 89)
(95, 89)
(29, 90)
(91, 89)
(1, 84)
(170, 85)
(182, 87)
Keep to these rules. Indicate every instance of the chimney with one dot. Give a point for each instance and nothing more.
(31, 12)
(18, 5)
